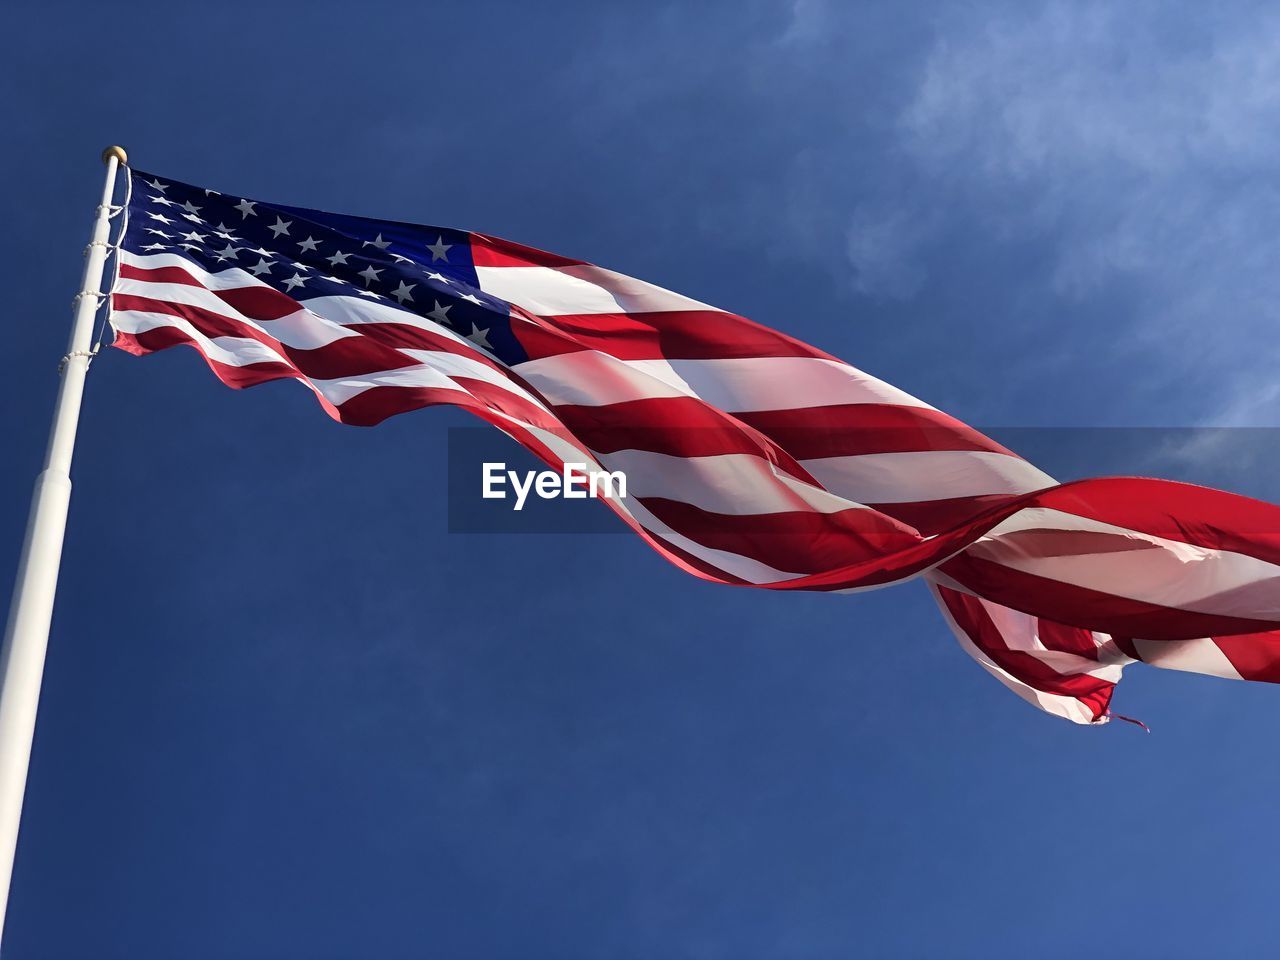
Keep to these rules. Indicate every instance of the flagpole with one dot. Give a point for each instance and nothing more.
(27, 635)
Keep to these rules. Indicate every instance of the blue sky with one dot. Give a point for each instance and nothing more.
(286, 714)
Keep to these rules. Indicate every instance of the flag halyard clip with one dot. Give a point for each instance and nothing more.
(87, 354)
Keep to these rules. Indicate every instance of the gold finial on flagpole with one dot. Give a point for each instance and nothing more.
(117, 152)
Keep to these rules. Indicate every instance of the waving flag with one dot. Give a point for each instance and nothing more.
(751, 458)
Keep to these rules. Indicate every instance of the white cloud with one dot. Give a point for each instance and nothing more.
(1083, 196)
(1145, 148)
(808, 22)
(882, 248)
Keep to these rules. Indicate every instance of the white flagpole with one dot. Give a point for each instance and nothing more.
(27, 636)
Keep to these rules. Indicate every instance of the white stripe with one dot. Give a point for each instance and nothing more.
(785, 383)
(355, 310)
(331, 313)
(592, 378)
(1127, 563)
(436, 370)
(302, 329)
(341, 390)
(634, 512)
(738, 484)
(1192, 656)
(455, 365)
(232, 277)
(1021, 631)
(579, 289)
(912, 477)
(1068, 707)
(232, 351)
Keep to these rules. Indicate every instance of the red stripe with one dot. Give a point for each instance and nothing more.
(349, 357)
(409, 337)
(676, 426)
(973, 619)
(1256, 656)
(372, 406)
(326, 363)
(853, 429)
(346, 357)
(487, 251)
(932, 517)
(159, 275)
(1090, 609)
(259, 303)
(802, 542)
(238, 378)
(691, 563)
(848, 549)
(1126, 646)
(1176, 511)
(670, 335)
(255, 301)
(206, 321)
(1059, 636)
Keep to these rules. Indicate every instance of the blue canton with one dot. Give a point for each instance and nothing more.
(312, 253)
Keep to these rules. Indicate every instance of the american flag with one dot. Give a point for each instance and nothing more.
(751, 458)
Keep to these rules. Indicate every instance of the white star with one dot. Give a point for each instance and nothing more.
(281, 227)
(155, 246)
(401, 293)
(192, 217)
(440, 314)
(339, 258)
(296, 280)
(229, 252)
(399, 259)
(309, 244)
(164, 202)
(368, 293)
(439, 277)
(196, 237)
(190, 207)
(379, 243)
(188, 246)
(480, 337)
(369, 274)
(263, 253)
(211, 193)
(246, 208)
(160, 233)
(161, 217)
(157, 185)
(221, 232)
(261, 268)
(334, 279)
(473, 299)
(439, 249)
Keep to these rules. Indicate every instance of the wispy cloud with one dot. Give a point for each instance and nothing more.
(882, 246)
(1081, 196)
(1144, 147)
